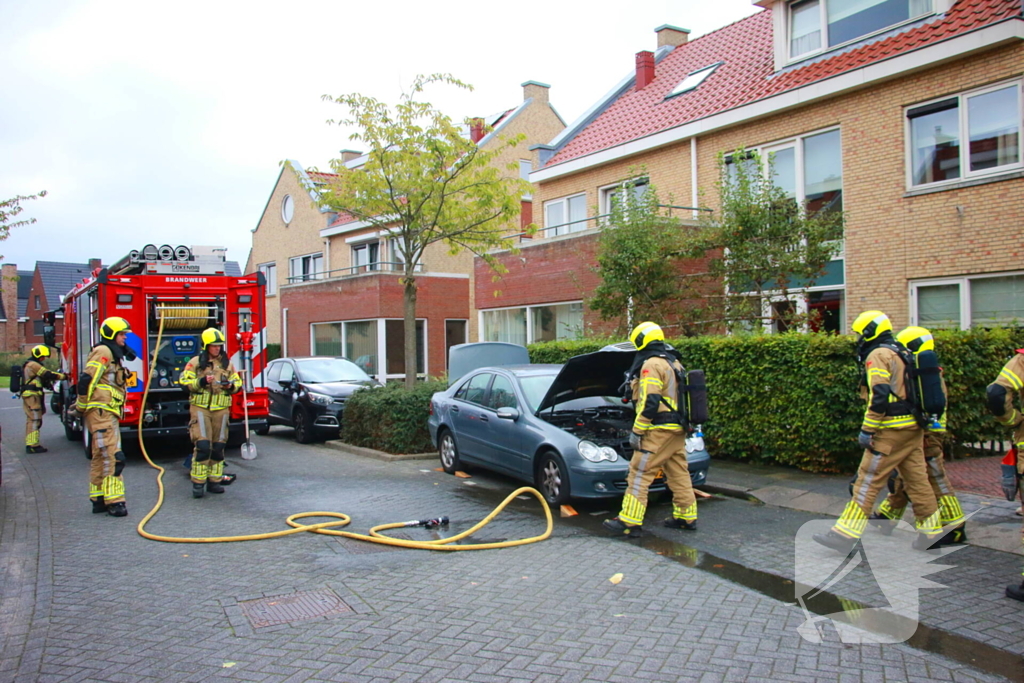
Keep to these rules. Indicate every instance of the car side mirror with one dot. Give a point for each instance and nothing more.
(285, 383)
(508, 414)
(50, 335)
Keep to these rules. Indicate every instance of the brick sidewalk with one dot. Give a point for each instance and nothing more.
(976, 475)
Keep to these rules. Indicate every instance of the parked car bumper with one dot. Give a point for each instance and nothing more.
(605, 483)
(329, 421)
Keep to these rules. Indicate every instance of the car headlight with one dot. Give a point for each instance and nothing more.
(594, 453)
(321, 399)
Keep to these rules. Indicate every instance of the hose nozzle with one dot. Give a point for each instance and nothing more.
(434, 523)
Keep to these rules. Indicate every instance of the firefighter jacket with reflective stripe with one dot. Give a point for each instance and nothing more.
(1011, 377)
(35, 378)
(886, 392)
(102, 384)
(655, 393)
(217, 395)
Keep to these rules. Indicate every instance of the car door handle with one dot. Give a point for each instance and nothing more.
(484, 418)
(455, 409)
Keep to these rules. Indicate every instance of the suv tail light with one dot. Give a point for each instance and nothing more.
(431, 407)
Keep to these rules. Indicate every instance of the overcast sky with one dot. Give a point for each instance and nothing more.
(165, 123)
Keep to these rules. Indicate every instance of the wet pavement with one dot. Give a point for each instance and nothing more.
(84, 598)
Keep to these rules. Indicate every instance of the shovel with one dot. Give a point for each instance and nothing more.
(248, 448)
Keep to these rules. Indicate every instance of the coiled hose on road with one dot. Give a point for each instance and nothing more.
(340, 519)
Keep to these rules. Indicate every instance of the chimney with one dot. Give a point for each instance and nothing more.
(95, 263)
(9, 292)
(537, 90)
(672, 35)
(476, 129)
(349, 154)
(644, 69)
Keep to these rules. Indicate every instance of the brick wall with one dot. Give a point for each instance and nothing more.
(372, 296)
(10, 338)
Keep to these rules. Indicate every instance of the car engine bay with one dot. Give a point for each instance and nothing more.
(604, 425)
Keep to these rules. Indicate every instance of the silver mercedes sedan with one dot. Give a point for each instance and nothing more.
(562, 428)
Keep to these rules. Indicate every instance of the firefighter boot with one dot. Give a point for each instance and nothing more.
(117, 510)
(214, 487)
(1016, 592)
(676, 523)
(98, 505)
(927, 542)
(36, 449)
(957, 534)
(198, 490)
(620, 528)
(836, 541)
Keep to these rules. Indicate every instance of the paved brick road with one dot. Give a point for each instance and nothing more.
(84, 598)
(976, 475)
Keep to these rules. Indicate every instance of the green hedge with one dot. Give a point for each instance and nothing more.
(391, 418)
(273, 352)
(792, 398)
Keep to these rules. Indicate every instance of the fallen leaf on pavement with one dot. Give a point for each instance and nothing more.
(461, 475)
(718, 566)
(439, 469)
(227, 665)
(569, 511)
(616, 578)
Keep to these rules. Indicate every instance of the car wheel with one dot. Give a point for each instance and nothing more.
(449, 452)
(303, 429)
(87, 443)
(71, 433)
(262, 431)
(552, 479)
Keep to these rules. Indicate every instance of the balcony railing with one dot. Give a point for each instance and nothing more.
(581, 224)
(376, 267)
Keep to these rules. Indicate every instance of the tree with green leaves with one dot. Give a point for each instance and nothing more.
(759, 246)
(424, 182)
(9, 210)
(637, 257)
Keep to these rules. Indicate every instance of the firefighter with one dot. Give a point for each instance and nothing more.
(891, 438)
(101, 395)
(211, 380)
(916, 340)
(36, 378)
(658, 437)
(1008, 384)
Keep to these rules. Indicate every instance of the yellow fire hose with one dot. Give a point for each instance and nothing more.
(340, 519)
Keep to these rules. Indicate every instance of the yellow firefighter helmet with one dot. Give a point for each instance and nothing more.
(870, 324)
(644, 333)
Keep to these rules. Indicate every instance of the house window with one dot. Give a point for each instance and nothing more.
(611, 195)
(454, 333)
(394, 336)
(967, 135)
(981, 301)
(816, 310)
(326, 339)
(565, 215)
(809, 169)
(38, 327)
(531, 324)
(525, 168)
(287, 209)
(38, 305)
(844, 21)
(366, 257)
(269, 271)
(396, 247)
(303, 268)
(361, 344)
(693, 80)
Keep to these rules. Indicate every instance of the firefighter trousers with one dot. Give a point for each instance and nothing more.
(950, 511)
(209, 432)
(659, 450)
(105, 480)
(33, 405)
(903, 450)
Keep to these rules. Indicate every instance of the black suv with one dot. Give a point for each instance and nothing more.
(309, 394)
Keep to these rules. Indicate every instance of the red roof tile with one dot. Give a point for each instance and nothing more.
(318, 177)
(748, 73)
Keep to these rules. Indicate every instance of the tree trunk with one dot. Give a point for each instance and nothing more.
(410, 329)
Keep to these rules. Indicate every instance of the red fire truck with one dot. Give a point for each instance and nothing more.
(190, 289)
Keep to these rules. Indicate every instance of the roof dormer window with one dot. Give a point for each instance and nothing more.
(816, 25)
(693, 80)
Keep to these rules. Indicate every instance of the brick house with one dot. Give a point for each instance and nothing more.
(337, 291)
(51, 280)
(15, 286)
(862, 105)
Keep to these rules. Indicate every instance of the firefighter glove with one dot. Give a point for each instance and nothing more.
(634, 441)
(1009, 481)
(204, 380)
(864, 439)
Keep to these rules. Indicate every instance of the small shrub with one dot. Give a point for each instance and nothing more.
(391, 418)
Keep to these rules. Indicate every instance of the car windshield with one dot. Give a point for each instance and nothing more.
(535, 386)
(318, 370)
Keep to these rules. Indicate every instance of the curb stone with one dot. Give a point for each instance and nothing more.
(375, 454)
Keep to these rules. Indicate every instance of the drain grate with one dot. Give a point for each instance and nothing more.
(365, 547)
(284, 609)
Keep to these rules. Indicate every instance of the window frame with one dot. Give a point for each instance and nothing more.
(963, 123)
(316, 275)
(563, 228)
(529, 315)
(823, 18)
(604, 193)
(271, 286)
(964, 283)
(370, 266)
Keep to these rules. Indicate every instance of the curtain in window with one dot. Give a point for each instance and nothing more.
(997, 301)
(938, 306)
(505, 326)
(327, 339)
(577, 214)
(361, 345)
(805, 28)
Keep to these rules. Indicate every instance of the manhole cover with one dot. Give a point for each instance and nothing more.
(355, 547)
(284, 609)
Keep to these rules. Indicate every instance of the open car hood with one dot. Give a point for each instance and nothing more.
(593, 374)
